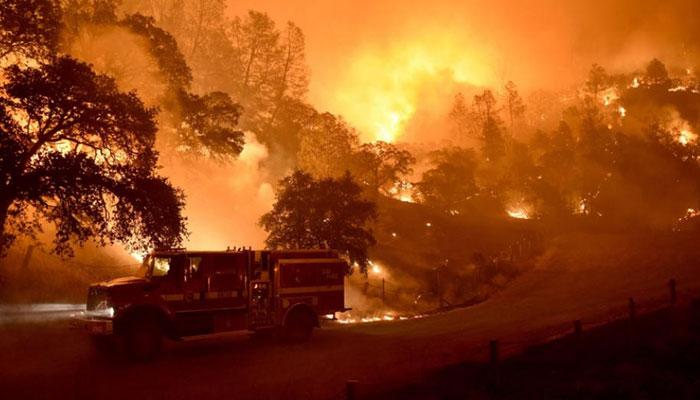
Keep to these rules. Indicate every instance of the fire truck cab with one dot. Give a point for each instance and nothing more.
(185, 293)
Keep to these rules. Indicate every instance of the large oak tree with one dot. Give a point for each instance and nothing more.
(321, 213)
(78, 153)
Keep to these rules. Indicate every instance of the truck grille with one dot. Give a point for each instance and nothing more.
(96, 295)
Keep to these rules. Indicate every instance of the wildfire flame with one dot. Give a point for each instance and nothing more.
(609, 96)
(685, 137)
(402, 191)
(407, 198)
(680, 88)
(690, 213)
(375, 268)
(381, 88)
(137, 256)
(348, 318)
(518, 213)
(622, 111)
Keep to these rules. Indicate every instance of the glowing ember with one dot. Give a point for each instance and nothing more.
(402, 191)
(428, 224)
(686, 137)
(678, 89)
(375, 268)
(689, 214)
(519, 213)
(406, 198)
(582, 207)
(635, 83)
(622, 111)
(609, 96)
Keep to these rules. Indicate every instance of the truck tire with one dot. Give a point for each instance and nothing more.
(143, 337)
(298, 326)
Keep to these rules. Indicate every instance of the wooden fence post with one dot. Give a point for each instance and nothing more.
(578, 344)
(351, 389)
(632, 309)
(695, 314)
(577, 329)
(493, 352)
(672, 289)
(383, 292)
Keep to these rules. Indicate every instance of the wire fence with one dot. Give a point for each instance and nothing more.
(496, 350)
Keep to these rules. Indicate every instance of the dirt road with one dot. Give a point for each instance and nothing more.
(45, 359)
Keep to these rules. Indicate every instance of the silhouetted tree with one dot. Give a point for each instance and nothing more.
(516, 106)
(29, 28)
(450, 183)
(326, 213)
(598, 80)
(199, 26)
(268, 66)
(486, 105)
(380, 165)
(556, 185)
(163, 47)
(463, 120)
(209, 125)
(198, 125)
(78, 153)
(656, 73)
(292, 78)
(326, 146)
(493, 144)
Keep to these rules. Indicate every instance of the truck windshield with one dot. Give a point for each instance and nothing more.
(162, 266)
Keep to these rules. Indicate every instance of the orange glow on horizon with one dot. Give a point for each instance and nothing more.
(380, 90)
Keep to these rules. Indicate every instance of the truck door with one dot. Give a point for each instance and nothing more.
(191, 314)
(225, 278)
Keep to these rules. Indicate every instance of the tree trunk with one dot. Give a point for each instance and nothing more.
(4, 208)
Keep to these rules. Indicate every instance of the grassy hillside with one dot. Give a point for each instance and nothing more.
(474, 255)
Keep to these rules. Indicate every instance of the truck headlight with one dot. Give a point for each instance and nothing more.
(103, 309)
(109, 312)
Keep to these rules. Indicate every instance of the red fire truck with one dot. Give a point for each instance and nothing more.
(184, 293)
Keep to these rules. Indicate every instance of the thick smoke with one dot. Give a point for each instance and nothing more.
(383, 64)
(225, 200)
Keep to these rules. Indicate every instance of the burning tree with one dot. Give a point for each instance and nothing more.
(381, 165)
(326, 213)
(197, 125)
(451, 182)
(29, 28)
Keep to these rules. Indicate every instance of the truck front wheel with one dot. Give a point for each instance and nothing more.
(143, 337)
(298, 326)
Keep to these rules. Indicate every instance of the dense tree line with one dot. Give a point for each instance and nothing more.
(623, 151)
(624, 154)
